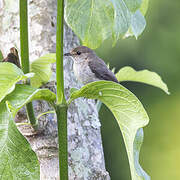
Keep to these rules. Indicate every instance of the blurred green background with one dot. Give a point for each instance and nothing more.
(157, 49)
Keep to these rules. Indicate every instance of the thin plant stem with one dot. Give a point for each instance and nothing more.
(24, 35)
(22, 124)
(61, 107)
(61, 112)
(23, 4)
(44, 113)
(59, 52)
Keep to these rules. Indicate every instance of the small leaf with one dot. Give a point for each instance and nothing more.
(17, 159)
(129, 114)
(42, 69)
(10, 74)
(144, 76)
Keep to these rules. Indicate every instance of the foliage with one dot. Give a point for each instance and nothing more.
(127, 109)
(42, 69)
(17, 158)
(128, 112)
(95, 21)
(100, 20)
(24, 43)
(128, 115)
(10, 74)
(144, 76)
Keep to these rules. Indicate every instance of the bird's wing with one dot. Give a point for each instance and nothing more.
(101, 71)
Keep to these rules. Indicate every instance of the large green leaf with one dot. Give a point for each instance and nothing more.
(10, 74)
(144, 76)
(93, 21)
(42, 69)
(129, 114)
(17, 159)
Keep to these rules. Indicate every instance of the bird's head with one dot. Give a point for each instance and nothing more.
(80, 53)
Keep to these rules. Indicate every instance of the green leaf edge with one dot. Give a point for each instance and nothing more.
(20, 76)
(128, 69)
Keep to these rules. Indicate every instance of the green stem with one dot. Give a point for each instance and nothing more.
(22, 124)
(44, 113)
(59, 52)
(31, 115)
(61, 107)
(61, 112)
(24, 35)
(25, 53)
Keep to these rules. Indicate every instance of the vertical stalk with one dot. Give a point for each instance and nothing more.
(24, 35)
(61, 107)
(59, 52)
(61, 112)
(25, 52)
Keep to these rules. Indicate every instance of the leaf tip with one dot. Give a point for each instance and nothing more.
(167, 92)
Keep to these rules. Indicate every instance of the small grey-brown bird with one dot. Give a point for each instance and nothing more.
(13, 57)
(88, 67)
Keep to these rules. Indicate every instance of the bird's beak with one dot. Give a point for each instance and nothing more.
(67, 54)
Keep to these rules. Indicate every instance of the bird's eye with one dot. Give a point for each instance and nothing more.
(78, 52)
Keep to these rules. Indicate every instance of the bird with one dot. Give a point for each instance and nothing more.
(88, 67)
(13, 57)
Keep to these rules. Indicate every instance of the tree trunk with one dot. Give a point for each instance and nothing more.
(86, 158)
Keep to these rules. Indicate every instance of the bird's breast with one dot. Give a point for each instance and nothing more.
(83, 73)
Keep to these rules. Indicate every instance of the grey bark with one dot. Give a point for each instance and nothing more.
(86, 158)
